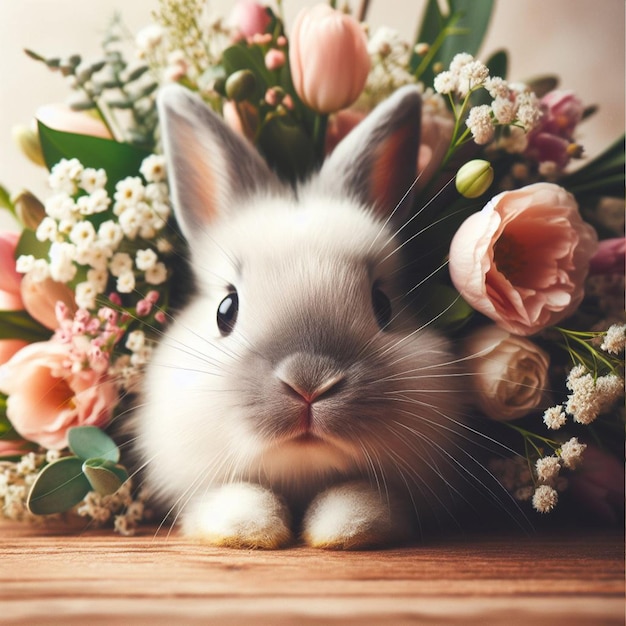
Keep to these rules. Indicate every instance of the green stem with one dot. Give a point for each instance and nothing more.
(319, 135)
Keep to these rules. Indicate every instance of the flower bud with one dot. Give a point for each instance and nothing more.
(328, 58)
(474, 178)
(249, 18)
(28, 142)
(240, 85)
(29, 209)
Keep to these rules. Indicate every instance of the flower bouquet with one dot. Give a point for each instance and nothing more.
(523, 267)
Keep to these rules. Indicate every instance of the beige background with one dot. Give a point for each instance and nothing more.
(580, 40)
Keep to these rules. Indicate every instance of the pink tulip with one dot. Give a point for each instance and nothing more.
(46, 398)
(328, 58)
(339, 125)
(249, 18)
(610, 257)
(522, 260)
(61, 117)
(40, 300)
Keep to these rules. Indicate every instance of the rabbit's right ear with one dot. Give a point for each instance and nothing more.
(209, 166)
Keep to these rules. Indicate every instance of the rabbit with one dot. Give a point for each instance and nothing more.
(295, 397)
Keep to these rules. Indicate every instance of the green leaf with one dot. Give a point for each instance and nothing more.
(105, 477)
(498, 64)
(29, 244)
(5, 200)
(466, 22)
(239, 57)
(88, 442)
(58, 487)
(541, 85)
(446, 308)
(118, 160)
(20, 325)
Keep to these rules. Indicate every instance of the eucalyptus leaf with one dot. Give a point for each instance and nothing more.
(88, 442)
(118, 160)
(58, 487)
(29, 244)
(541, 85)
(20, 325)
(137, 73)
(105, 477)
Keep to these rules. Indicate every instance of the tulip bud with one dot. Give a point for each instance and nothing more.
(29, 209)
(474, 178)
(28, 142)
(240, 85)
(328, 58)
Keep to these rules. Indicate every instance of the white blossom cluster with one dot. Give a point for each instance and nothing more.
(512, 105)
(89, 250)
(16, 480)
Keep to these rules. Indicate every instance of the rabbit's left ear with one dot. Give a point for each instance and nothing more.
(377, 162)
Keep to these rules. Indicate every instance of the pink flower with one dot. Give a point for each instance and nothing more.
(509, 374)
(328, 58)
(523, 259)
(61, 117)
(13, 447)
(598, 486)
(46, 397)
(249, 18)
(552, 139)
(274, 59)
(40, 300)
(339, 125)
(610, 257)
(10, 298)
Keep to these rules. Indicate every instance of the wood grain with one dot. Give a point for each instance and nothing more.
(95, 577)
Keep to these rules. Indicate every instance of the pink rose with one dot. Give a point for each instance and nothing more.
(46, 398)
(13, 447)
(610, 257)
(249, 18)
(10, 298)
(328, 58)
(509, 374)
(523, 259)
(61, 117)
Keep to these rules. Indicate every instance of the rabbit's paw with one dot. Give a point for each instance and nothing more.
(354, 516)
(239, 515)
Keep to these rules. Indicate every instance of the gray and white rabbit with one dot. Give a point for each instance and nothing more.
(295, 395)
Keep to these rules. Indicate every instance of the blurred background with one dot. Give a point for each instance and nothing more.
(582, 41)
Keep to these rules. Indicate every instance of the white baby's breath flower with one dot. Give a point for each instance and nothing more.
(164, 246)
(130, 223)
(62, 255)
(471, 75)
(480, 124)
(85, 295)
(445, 82)
(504, 110)
(547, 468)
(153, 168)
(98, 256)
(545, 499)
(96, 202)
(157, 274)
(60, 206)
(515, 141)
(614, 340)
(136, 340)
(528, 110)
(92, 179)
(497, 87)
(141, 356)
(110, 234)
(554, 417)
(156, 192)
(126, 282)
(120, 263)
(146, 259)
(130, 190)
(24, 263)
(571, 453)
(98, 278)
(47, 230)
(460, 60)
(64, 176)
(39, 271)
(83, 234)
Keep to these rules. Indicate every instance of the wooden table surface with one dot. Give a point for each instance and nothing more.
(96, 577)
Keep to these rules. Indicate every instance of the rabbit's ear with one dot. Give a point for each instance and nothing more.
(377, 162)
(209, 166)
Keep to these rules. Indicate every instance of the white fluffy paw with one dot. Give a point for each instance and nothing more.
(239, 515)
(353, 516)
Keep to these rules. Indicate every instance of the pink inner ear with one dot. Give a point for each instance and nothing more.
(393, 170)
(197, 192)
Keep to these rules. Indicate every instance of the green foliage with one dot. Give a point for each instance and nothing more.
(64, 483)
(20, 325)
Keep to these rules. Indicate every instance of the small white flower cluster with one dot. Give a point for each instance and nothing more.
(79, 242)
(16, 480)
(390, 56)
(128, 511)
(591, 396)
(512, 105)
(614, 339)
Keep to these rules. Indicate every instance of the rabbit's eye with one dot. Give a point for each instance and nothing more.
(227, 313)
(382, 307)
